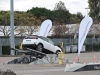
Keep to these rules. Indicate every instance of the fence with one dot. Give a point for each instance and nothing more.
(6, 40)
(67, 41)
(71, 41)
(0, 50)
(91, 44)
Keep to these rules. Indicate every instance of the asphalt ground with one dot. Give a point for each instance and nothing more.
(51, 69)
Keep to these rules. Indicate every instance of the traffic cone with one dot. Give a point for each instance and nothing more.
(94, 57)
(76, 58)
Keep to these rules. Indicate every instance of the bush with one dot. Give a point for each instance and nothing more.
(92, 47)
(6, 50)
(8, 72)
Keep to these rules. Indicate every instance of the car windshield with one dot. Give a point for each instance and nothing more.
(30, 37)
(50, 41)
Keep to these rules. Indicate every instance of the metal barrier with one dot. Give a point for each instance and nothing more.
(30, 55)
(0, 50)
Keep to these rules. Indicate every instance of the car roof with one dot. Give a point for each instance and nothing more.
(36, 36)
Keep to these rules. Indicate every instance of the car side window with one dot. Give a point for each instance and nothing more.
(46, 39)
(26, 37)
(31, 37)
(43, 38)
(50, 41)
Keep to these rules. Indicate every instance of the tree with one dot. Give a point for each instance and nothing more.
(61, 14)
(60, 30)
(41, 12)
(28, 23)
(5, 22)
(79, 15)
(94, 6)
(76, 18)
(23, 23)
(5, 18)
(60, 6)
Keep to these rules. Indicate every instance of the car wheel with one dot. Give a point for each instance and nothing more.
(39, 48)
(24, 48)
(57, 52)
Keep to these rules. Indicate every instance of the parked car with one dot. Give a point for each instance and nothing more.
(40, 43)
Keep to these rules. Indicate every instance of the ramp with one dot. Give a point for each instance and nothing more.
(25, 59)
(48, 59)
(29, 56)
(35, 53)
(82, 67)
(35, 57)
(31, 52)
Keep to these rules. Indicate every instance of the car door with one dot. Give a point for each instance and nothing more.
(44, 42)
(48, 44)
(51, 45)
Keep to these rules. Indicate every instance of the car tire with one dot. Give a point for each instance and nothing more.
(39, 47)
(57, 52)
(24, 48)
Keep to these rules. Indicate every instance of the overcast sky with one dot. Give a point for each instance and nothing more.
(73, 6)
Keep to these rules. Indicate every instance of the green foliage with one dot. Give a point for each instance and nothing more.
(28, 23)
(26, 19)
(76, 18)
(5, 18)
(6, 50)
(39, 12)
(94, 6)
(61, 14)
(21, 19)
(79, 15)
(62, 17)
(92, 47)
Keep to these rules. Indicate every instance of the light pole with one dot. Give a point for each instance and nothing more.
(12, 42)
(87, 10)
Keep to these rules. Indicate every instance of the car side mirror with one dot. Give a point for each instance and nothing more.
(55, 44)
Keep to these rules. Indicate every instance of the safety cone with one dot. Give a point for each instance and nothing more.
(94, 57)
(76, 58)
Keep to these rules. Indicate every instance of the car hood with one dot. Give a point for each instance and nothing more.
(57, 48)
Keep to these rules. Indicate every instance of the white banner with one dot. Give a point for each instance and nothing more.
(83, 30)
(45, 28)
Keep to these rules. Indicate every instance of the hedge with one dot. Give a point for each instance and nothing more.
(6, 50)
(92, 47)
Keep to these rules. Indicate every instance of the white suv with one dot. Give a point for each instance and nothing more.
(40, 43)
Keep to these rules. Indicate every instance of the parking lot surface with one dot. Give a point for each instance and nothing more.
(51, 69)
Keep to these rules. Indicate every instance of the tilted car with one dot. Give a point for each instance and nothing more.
(40, 43)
